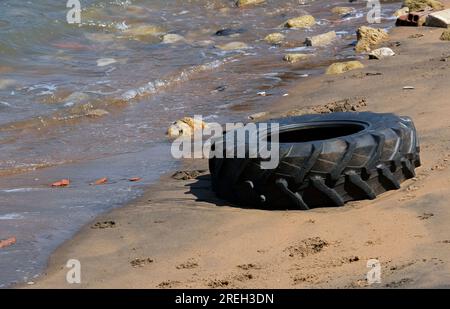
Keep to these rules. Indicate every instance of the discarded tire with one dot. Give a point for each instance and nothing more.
(325, 160)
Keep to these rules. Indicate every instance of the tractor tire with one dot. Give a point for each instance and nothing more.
(325, 160)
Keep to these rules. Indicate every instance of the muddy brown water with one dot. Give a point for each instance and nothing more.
(54, 75)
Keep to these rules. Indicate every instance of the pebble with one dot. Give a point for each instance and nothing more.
(105, 61)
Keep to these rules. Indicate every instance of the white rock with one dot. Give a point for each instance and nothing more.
(381, 53)
(105, 61)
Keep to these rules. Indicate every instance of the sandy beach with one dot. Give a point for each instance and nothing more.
(178, 235)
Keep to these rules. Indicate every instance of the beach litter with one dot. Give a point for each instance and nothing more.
(61, 183)
(134, 179)
(7, 242)
(381, 53)
(101, 181)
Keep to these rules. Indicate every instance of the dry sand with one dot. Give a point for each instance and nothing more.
(178, 235)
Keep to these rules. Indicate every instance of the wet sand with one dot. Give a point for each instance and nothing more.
(180, 236)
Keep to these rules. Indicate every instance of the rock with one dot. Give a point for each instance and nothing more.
(274, 38)
(321, 39)
(401, 12)
(95, 113)
(293, 58)
(229, 31)
(172, 38)
(144, 32)
(305, 21)
(185, 127)
(342, 10)
(6, 83)
(257, 115)
(369, 37)
(105, 61)
(419, 5)
(233, 46)
(381, 53)
(439, 19)
(76, 97)
(342, 67)
(244, 3)
(445, 36)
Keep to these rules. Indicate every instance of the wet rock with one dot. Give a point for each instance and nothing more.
(172, 38)
(144, 32)
(257, 115)
(439, 19)
(321, 39)
(229, 31)
(305, 21)
(6, 83)
(369, 37)
(401, 12)
(105, 61)
(293, 58)
(445, 36)
(185, 127)
(233, 46)
(342, 67)
(418, 5)
(245, 3)
(381, 53)
(96, 113)
(342, 10)
(77, 97)
(274, 38)
(100, 37)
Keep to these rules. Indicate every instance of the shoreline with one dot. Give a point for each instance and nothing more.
(177, 241)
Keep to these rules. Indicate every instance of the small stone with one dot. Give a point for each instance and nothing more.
(305, 21)
(293, 58)
(257, 115)
(172, 38)
(381, 53)
(342, 10)
(342, 67)
(233, 46)
(274, 38)
(244, 3)
(321, 39)
(105, 61)
(445, 36)
(95, 113)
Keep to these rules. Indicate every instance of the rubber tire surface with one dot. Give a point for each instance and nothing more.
(381, 154)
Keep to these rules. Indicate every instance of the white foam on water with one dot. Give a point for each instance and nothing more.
(12, 216)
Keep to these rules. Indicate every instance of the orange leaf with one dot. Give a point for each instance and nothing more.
(7, 242)
(134, 179)
(101, 181)
(61, 183)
